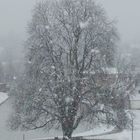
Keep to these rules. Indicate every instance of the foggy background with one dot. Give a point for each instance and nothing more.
(16, 14)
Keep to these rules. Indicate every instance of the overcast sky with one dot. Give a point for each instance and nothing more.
(14, 15)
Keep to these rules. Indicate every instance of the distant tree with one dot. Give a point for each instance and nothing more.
(123, 88)
(1, 73)
(68, 77)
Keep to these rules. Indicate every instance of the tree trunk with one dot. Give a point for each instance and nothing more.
(67, 128)
(67, 134)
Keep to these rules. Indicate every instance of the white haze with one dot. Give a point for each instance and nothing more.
(14, 15)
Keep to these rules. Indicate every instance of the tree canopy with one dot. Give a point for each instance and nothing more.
(70, 73)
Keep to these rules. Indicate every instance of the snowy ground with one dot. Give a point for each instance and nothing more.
(3, 97)
(96, 131)
(125, 135)
(99, 132)
(7, 134)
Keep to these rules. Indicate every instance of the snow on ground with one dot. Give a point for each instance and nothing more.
(124, 135)
(96, 131)
(3, 97)
(101, 132)
(7, 134)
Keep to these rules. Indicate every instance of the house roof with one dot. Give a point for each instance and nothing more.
(3, 97)
(136, 96)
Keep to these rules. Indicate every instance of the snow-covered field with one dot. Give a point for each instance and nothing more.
(6, 134)
(99, 132)
(124, 135)
(96, 131)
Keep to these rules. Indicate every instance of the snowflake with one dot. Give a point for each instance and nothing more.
(102, 107)
(40, 89)
(47, 27)
(68, 99)
(74, 88)
(53, 67)
(94, 51)
(14, 77)
(29, 62)
(84, 24)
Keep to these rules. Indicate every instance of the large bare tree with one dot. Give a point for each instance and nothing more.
(69, 76)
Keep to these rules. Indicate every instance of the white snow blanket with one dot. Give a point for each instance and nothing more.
(3, 97)
(99, 133)
(124, 135)
(96, 131)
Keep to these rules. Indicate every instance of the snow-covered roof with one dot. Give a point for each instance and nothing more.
(111, 70)
(137, 70)
(136, 96)
(3, 97)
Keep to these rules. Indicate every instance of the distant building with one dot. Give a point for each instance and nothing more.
(3, 87)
